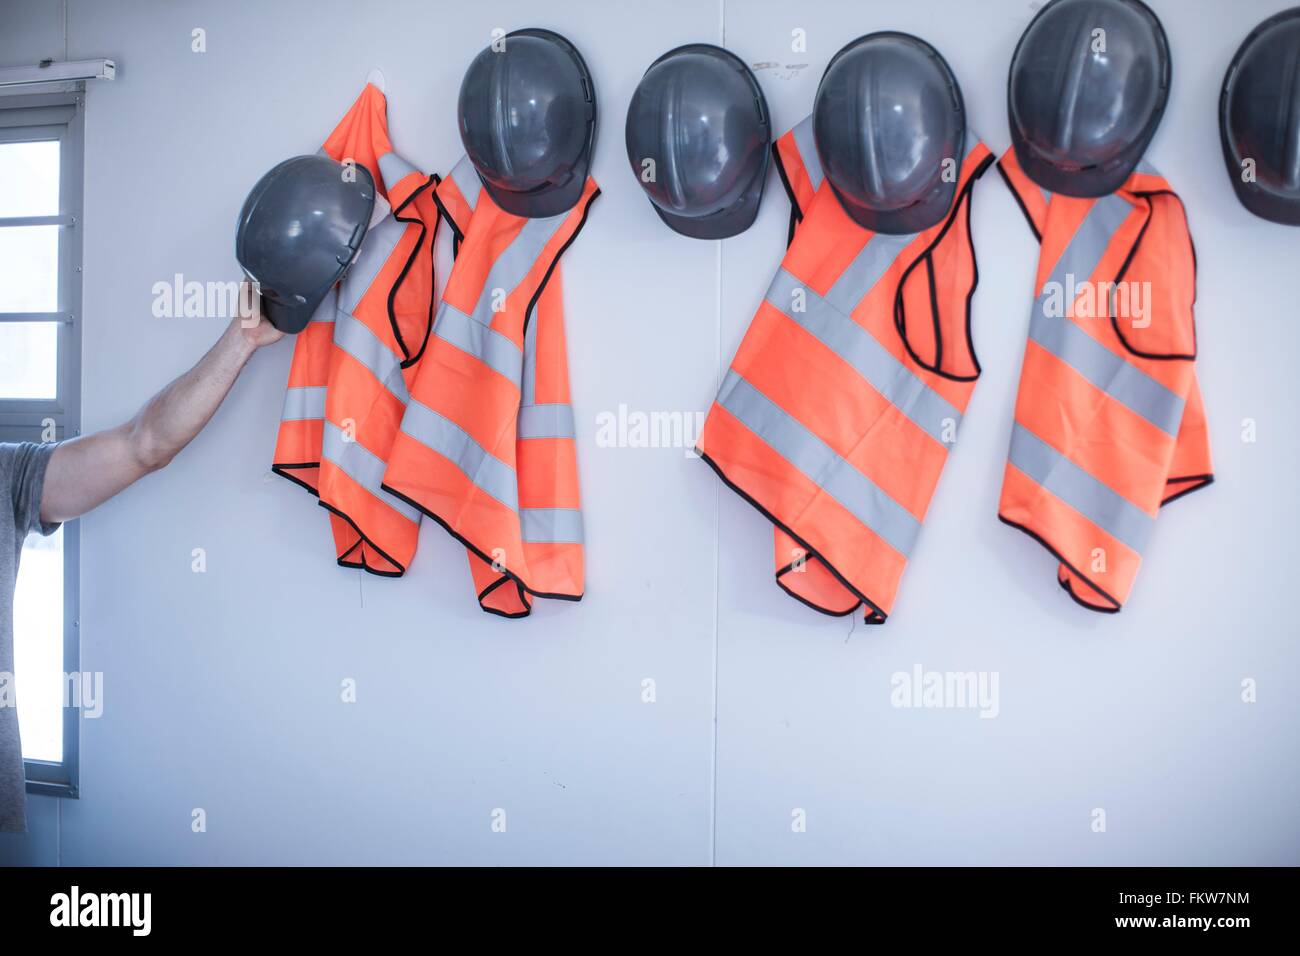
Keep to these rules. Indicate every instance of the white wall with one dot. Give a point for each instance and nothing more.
(222, 688)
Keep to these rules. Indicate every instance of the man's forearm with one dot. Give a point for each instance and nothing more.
(170, 420)
(85, 472)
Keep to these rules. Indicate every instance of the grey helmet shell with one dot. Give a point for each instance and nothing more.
(1259, 119)
(527, 118)
(299, 230)
(889, 122)
(700, 117)
(1087, 88)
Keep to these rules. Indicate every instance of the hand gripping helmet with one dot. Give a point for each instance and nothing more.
(700, 117)
(890, 127)
(527, 117)
(1088, 85)
(299, 230)
(1259, 119)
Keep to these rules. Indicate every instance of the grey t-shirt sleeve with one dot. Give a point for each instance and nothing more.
(22, 472)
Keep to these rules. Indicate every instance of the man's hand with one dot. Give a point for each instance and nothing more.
(257, 331)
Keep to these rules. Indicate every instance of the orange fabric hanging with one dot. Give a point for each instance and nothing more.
(840, 405)
(353, 365)
(487, 444)
(1109, 420)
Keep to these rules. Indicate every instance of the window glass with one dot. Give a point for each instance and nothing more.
(29, 268)
(30, 174)
(38, 647)
(29, 360)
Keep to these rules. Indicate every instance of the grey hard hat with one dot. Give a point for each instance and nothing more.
(299, 230)
(700, 116)
(1259, 119)
(1088, 85)
(527, 116)
(889, 122)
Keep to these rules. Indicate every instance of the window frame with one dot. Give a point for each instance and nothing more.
(27, 118)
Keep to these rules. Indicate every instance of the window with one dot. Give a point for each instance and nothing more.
(40, 400)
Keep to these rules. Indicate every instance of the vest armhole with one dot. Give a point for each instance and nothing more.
(962, 204)
(1153, 355)
(410, 358)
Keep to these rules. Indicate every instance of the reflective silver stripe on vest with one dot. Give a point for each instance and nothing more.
(303, 403)
(866, 269)
(394, 169)
(899, 386)
(1093, 499)
(486, 344)
(488, 473)
(551, 525)
(546, 421)
(375, 250)
(515, 262)
(467, 181)
(366, 469)
(354, 337)
(807, 146)
(835, 476)
(1120, 379)
(473, 333)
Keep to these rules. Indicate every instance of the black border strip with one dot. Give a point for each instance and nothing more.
(1020, 202)
(1114, 319)
(1200, 481)
(523, 599)
(796, 213)
(812, 552)
(364, 540)
(541, 286)
(473, 548)
(966, 196)
(283, 470)
(410, 359)
(1056, 554)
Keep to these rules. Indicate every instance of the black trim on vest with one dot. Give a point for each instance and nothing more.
(964, 196)
(410, 359)
(796, 214)
(511, 615)
(541, 286)
(1056, 554)
(807, 603)
(472, 548)
(1021, 203)
(362, 539)
(1197, 483)
(876, 612)
(284, 472)
(1114, 320)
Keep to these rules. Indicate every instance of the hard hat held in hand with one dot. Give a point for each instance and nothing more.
(300, 228)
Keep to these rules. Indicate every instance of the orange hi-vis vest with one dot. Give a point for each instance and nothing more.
(1109, 420)
(840, 405)
(487, 445)
(354, 363)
